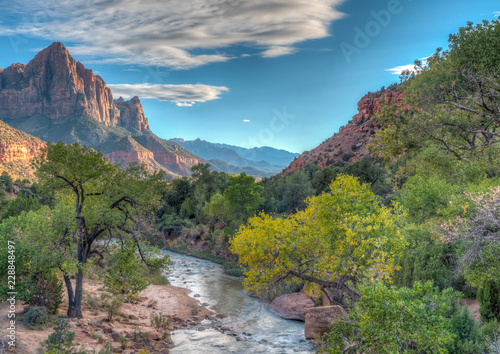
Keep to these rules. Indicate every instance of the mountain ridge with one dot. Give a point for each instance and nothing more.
(56, 98)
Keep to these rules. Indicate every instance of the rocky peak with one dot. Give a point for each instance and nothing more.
(351, 141)
(132, 114)
(55, 85)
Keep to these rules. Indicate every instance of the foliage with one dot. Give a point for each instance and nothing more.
(96, 200)
(394, 320)
(340, 238)
(451, 102)
(112, 305)
(477, 233)
(469, 338)
(127, 275)
(61, 340)
(36, 316)
(426, 258)
(491, 334)
(243, 197)
(488, 296)
(159, 321)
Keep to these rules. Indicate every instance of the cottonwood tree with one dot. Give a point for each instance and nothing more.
(340, 238)
(97, 201)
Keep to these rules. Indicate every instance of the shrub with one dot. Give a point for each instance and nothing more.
(468, 336)
(159, 321)
(61, 340)
(36, 316)
(488, 296)
(112, 305)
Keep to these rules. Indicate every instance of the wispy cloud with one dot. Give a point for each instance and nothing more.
(277, 51)
(174, 33)
(496, 13)
(397, 70)
(183, 95)
(246, 120)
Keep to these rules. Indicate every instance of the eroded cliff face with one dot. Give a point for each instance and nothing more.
(54, 85)
(351, 141)
(17, 151)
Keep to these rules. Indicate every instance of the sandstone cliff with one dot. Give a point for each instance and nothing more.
(54, 85)
(17, 151)
(351, 141)
(56, 98)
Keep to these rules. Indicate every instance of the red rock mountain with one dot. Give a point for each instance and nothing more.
(351, 141)
(55, 98)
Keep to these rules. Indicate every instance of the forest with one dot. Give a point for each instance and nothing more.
(397, 238)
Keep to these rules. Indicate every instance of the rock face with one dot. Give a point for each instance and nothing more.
(17, 150)
(54, 85)
(319, 319)
(56, 98)
(291, 306)
(350, 143)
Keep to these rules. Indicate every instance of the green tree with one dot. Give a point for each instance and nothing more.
(96, 200)
(243, 197)
(396, 320)
(488, 296)
(340, 238)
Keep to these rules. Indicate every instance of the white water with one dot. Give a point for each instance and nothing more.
(264, 331)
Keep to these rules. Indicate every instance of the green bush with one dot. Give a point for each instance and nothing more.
(36, 316)
(488, 296)
(61, 340)
(469, 339)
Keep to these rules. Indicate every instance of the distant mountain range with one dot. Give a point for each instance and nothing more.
(258, 162)
(56, 98)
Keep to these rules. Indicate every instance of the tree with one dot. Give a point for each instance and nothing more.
(476, 232)
(243, 197)
(340, 238)
(97, 200)
(396, 320)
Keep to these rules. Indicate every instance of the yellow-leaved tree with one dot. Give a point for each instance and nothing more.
(340, 238)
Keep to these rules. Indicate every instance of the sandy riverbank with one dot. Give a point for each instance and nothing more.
(167, 299)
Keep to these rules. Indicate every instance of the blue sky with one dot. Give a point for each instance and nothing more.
(280, 73)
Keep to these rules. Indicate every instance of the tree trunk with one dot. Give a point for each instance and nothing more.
(71, 296)
(76, 310)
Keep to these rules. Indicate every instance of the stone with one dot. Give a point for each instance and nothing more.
(319, 319)
(133, 317)
(153, 335)
(291, 306)
(201, 328)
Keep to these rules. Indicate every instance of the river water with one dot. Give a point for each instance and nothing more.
(258, 330)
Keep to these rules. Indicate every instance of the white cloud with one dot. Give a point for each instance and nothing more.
(174, 33)
(277, 51)
(397, 70)
(183, 95)
(496, 13)
(185, 104)
(246, 120)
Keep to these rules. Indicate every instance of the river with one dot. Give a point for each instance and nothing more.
(249, 326)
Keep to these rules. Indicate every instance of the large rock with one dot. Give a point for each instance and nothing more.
(291, 306)
(319, 319)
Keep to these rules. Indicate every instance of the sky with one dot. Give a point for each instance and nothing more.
(280, 73)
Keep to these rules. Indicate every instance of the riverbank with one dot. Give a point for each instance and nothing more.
(93, 332)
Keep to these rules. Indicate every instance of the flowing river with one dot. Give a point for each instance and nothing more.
(249, 326)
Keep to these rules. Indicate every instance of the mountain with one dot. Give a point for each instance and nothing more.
(17, 151)
(257, 162)
(55, 98)
(351, 141)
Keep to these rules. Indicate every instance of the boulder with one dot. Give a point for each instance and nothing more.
(319, 319)
(291, 306)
